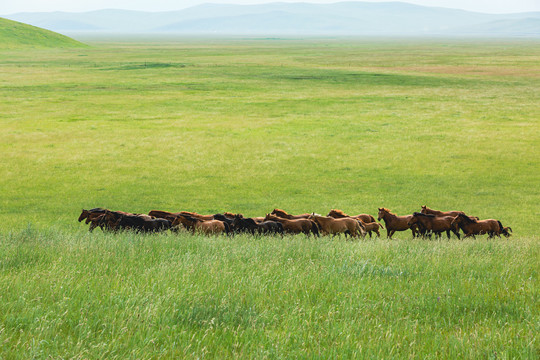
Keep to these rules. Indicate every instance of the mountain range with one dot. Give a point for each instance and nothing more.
(341, 18)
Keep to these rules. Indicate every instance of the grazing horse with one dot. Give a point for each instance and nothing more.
(434, 224)
(426, 210)
(198, 216)
(242, 224)
(295, 226)
(331, 226)
(336, 213)
(395, 223)
(372, 226)
(207, 227)
(284, 215)
(472, 226)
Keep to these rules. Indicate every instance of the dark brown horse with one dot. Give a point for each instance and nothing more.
(471, 226)
(395, 223)
(426, 210)
(434, 224)
(332, 226)
(283, 214)
(336, 213)
(295, 226)
(85, 214)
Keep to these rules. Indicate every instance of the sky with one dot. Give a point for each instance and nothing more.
(15, 6)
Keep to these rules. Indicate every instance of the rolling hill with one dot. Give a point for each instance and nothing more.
(16, 35)
(341, 18)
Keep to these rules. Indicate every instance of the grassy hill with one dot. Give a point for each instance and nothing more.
(15, 35)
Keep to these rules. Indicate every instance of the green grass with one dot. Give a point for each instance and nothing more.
(248, 125)
(75, 295)
(251, 125)
(16, 35)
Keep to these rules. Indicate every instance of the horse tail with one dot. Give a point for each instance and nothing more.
(381, 225)
(509, 228)
(315, 228)
(227, 228)
(372, 218)
(501, 227)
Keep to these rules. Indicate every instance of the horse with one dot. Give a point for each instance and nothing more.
(224, 218)
(284, 215)
(140, 223)
(337, 214)
(472, 226)
(372, 226)
(295, 226)
(395, 223)
(242, 224)
(207, 227)
(86, 213)
(331, 226)
(426, 210)
(196, 215)
(434, 224)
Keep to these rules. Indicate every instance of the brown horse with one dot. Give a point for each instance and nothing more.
(337, 214)
(372, 226)
(207, 227)
(395, 223)
(283, 214)
(331, 226)
(295, 226)
(472, 226)
(434, 224)
(85, 214)
(426, 210)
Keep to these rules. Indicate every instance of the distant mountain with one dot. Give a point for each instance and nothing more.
(14, 34)
(342, 18)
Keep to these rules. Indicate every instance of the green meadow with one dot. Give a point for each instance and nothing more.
(248, 125)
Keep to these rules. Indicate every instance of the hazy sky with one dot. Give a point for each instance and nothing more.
(13, 6)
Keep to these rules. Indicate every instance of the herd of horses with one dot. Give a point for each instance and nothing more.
(426, 223)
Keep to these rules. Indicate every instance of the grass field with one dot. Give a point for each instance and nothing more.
(247, 125)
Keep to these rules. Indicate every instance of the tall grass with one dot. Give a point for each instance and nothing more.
(79, 295)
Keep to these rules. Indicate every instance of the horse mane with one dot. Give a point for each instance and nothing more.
(468, 218)
(280, 210)
(386, 210)
(96, 210)
(340, 212)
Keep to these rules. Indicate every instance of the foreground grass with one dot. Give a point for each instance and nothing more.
(79, 295)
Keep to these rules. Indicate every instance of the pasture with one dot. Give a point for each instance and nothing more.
(247, 125)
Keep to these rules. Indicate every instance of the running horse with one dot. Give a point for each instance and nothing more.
(337, 214)
(396, 223)
(471, 226)
(331, 226)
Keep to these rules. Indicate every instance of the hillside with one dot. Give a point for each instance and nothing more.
(340, 18)
(15, 35)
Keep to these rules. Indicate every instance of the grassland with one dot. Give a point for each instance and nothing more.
(16, 35)
(248, 125)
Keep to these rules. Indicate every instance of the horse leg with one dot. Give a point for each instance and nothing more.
(448, 234)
